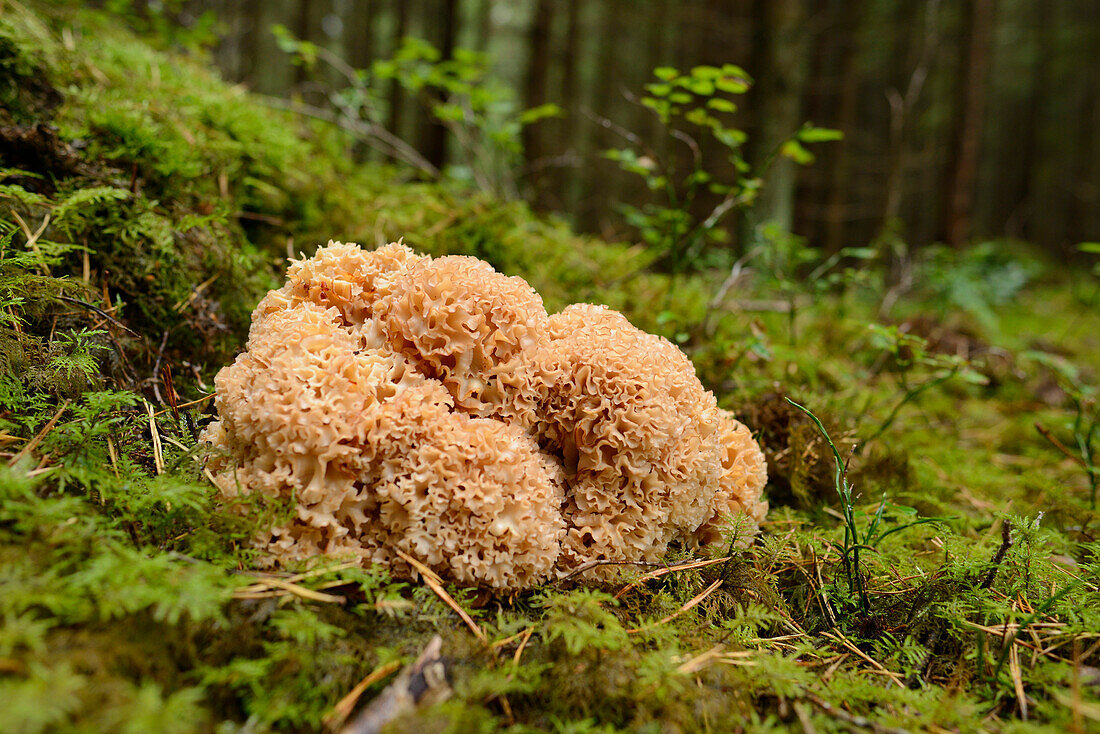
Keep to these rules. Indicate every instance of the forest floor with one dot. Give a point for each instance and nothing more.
(145, 207)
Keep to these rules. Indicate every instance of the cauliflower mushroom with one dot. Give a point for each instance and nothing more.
(430, 407)
(463, 323)
(641, 440)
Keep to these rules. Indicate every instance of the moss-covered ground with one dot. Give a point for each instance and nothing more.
(145, 206)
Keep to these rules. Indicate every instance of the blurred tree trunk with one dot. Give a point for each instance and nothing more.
(359, 33)
(839, 195)
(963, 175)
(604, 179)
(780, 90)
(904, 106)
(359, 47)
(1019, 120)
(534, 91)
(306, 27)
(235, 21)
(1044, 208)
(569, 141)
(657, 54)
(397, 95)
(483, 25)
(271, 70)
(444, 27)
(1086, 187)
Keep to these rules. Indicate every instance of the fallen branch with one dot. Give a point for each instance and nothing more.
(99, 311)
(602, 562)
(292, 588)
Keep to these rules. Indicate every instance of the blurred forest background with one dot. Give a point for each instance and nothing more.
(962, 119)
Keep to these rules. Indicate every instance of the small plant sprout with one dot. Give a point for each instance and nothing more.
(694, 106)
(481, 112)
(1093, 295)
(856, 540)
(850, 555)
(917, 369)
(1085, 424)
(795, 269)
(75, 359)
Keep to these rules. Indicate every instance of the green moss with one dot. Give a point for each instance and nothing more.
(173, 200)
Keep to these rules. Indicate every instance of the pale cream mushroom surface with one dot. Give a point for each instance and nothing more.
(401, 404)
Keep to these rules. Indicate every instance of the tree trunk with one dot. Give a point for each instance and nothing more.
(359, 33)
(903, 105)
(483, 25)
(782, 82)
(534, 91)
(433, 134)
(271, 72)
(603, 180)
(397, 95)
(569, 140)
(836, 209)
(1086, 186)
(303, 29)
(960, 203)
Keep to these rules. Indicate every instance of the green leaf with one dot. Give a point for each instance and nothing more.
(731, 138)
(721, 105)
(860, 253)
(731, 85)
(1093, 248)
(541, 112)
(706, 72)
(286, 42)
(448, 112)
(974, 378)
(666, 73)
(811, 134)
(793, 149)
(702, 87)
(698, 116)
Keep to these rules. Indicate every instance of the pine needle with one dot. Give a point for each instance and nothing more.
(158, 450)
(666, 570)
(436, 584)
(705, 593)
(294, 589)
(33, 443)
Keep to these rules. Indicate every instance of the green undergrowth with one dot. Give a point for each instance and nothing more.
(145, 206)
